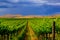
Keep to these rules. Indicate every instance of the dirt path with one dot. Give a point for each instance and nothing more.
(31, 33)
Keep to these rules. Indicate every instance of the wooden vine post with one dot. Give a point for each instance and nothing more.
(53, 31)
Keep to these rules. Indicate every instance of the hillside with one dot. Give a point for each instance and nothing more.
(29, 16)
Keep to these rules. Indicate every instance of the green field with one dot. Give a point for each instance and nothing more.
(29, 28)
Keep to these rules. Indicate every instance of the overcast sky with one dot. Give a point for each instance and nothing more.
(29, 7)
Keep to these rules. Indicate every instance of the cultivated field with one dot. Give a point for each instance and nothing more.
(29, 28)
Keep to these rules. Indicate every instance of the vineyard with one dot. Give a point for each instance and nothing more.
(29, 29)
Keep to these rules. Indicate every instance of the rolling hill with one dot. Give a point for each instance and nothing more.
(29, 16)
